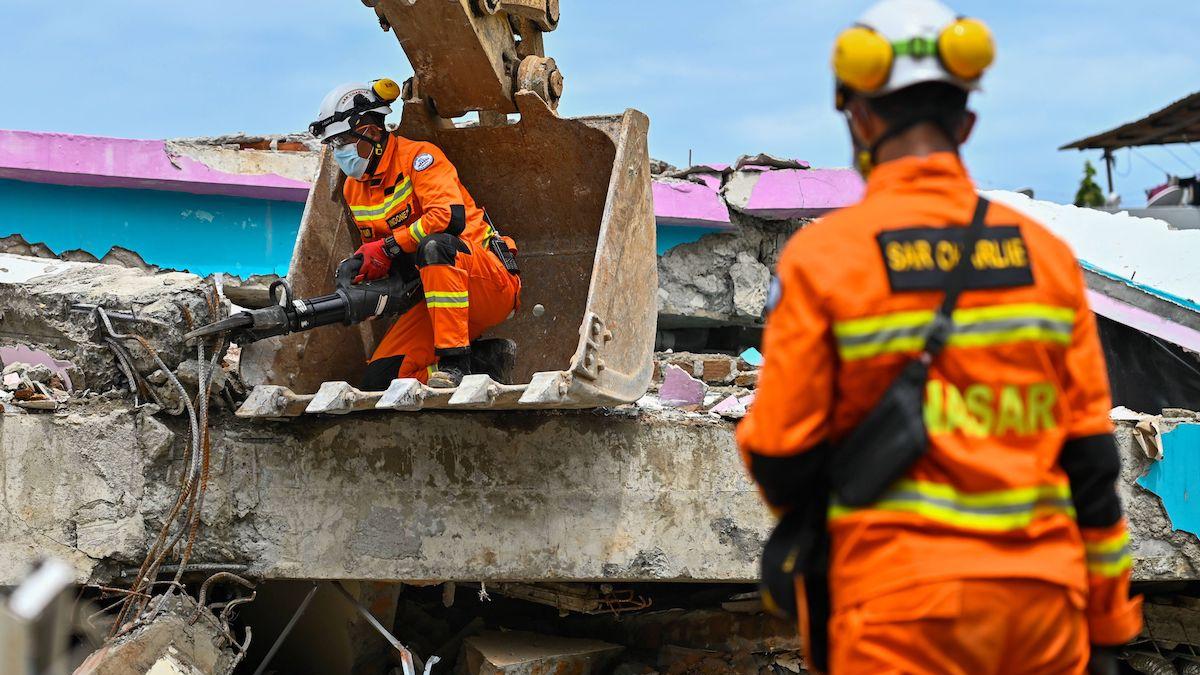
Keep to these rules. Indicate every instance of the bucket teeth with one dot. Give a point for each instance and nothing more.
(546, 387)
(339, 398)
(475, 390)
(403, 394)
(273, 401)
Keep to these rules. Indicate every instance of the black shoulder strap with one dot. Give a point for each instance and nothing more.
(943, 323)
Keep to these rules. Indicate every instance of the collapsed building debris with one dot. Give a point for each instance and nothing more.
(366, 498)
(75, 312)
(182, 637)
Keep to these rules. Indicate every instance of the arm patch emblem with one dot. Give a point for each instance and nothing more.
(919, 258)
(774, 295)
(423, 161)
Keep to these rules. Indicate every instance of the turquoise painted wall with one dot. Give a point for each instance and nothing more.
(670, 236)
(1176, 478)
(179, 230)
(199, 233)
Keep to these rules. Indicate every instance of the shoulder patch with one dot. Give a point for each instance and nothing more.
(423, 161)
(919, 258)
(774, 295)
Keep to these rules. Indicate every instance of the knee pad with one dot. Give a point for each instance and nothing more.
(440, 249)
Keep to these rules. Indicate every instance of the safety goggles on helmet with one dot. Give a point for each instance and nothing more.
(344, 138)
(863, 58)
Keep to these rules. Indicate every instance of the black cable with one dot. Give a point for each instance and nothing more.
(1152, 163)
(1178, 158)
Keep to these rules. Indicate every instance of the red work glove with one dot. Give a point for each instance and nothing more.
(376, 263)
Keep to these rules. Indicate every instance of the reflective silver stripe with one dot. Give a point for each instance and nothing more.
(1021, 507)
(1111, 557)
(433, 297)
(991, 326)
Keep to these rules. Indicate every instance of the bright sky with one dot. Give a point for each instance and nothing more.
(718, 77)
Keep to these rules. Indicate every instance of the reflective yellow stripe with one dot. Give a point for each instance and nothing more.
(998, 511)
(874, 324)
(1109, 557)
(447, 299)
(976, 327)
(380, 211)
(417, 230)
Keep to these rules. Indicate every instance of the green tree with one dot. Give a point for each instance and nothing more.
(1089, 193)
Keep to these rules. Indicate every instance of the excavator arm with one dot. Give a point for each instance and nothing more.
(574, 193)
(474, 55)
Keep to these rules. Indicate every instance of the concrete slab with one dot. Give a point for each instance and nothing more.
(582, 496)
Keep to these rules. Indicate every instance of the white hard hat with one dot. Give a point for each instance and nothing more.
(900, 43)
(343, 107)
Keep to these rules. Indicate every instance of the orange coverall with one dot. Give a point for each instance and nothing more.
(415, 195)
(1003, 549)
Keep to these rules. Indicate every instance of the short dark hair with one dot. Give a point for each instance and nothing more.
(942, 103)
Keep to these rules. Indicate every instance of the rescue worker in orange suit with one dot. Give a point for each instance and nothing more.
(1003, 548)
(412, 210)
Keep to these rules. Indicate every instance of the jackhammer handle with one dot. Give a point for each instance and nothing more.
(347, 270)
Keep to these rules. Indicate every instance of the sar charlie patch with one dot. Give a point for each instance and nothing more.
(919, 258)
(423, 161)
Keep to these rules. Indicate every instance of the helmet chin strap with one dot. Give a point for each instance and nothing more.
(866, 156)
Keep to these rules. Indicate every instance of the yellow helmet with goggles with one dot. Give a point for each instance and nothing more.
(899, 43)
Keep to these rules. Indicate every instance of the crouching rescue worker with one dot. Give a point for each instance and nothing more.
(413, 212)
(997, 546)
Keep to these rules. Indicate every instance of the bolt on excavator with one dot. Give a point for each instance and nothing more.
(575, 194)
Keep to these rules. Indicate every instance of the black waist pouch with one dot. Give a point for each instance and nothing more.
(893, 436)
(885, 444)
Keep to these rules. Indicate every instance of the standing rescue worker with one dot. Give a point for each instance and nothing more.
(411, 209)
(1003, 548)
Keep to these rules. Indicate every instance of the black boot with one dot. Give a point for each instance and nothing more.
(450, 371)
(496, 357)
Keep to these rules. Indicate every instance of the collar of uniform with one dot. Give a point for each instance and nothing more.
(380, 174)
(945, 166)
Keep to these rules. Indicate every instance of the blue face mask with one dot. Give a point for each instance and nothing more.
(347, 158)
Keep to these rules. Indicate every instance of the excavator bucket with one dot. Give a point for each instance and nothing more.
(575, 194)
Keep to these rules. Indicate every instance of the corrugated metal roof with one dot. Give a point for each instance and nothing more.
(1176, 123)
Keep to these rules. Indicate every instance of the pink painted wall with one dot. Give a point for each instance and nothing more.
(95, 161)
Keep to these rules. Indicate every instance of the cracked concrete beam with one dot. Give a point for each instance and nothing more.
(494, 497)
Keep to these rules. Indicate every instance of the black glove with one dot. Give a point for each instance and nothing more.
(1104, 661)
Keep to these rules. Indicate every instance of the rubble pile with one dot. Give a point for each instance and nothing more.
(181, 638)
(700, 385)
(62, 319)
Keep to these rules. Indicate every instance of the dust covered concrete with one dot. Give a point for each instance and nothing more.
(629, 496)
(723, 278)
(581, 496)
(45, 304)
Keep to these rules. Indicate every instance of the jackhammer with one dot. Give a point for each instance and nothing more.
(349, 304)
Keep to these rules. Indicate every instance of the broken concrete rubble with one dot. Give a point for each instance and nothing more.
(182, 639)
(721, 279)
(49, 306)
(680, 389)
